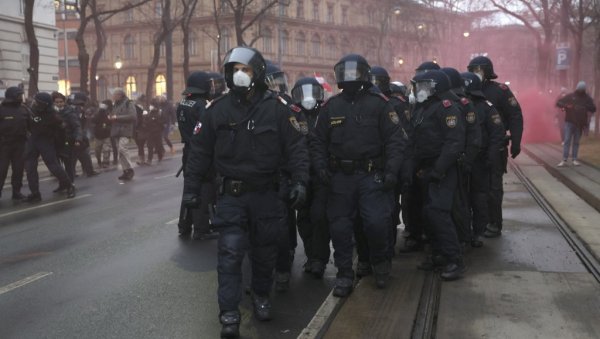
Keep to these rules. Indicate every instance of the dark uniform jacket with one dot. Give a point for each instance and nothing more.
(13, 122)
(247, 141)
(101, 124)
(46, 124)
(189, 112)
(438, 136)
(492, 129)
(576, 107)
(361, 128)
(507, 105)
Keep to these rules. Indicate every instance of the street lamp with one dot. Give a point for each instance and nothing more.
(466, 34)
(118, 65)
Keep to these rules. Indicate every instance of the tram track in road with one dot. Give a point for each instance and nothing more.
(585, 255)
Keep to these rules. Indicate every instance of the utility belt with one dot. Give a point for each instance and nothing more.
(237, 188)
(355, 166)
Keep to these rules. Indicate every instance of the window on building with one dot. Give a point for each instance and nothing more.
(282, 9)
(316, 45)
(344, 15)
(225, 40)
(158, 9)
(130, 86)
(193, 43)
(128, 15)
(72, 63)
(128, 47)
(160, 85)
(267, 37)
(300, 9)
(330, 10)
(102, 88)
(71, 35)
(300, 43)
(331, 47)
(371, 15)
(316, 10)
(285, 38)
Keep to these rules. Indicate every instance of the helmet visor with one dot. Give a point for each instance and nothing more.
(382, 82)
(307, 91)
(277, 82)
(351, 71)
(217, 86)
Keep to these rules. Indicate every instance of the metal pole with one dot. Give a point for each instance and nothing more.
(169, 53)
(279, 47)
(66, 49)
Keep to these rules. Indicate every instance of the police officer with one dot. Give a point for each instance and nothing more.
(358, 149)
(191, 108)
(246, 134)
(438, 139)
(217, 85)
(44, 126)
(507, 105)
(492, 138)
(462, 211)
(13, 135)
(309, 94)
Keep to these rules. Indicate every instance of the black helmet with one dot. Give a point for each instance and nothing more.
(197, 83)
(396, 87)
(432, 82)
(308, 92)
(484, 64)
(13, 95)
(217, 84)
(275, 78)
(454, 75)
(247, 56)
(43, 98)
(427, 66)
(78, 98)
(352, 68)
(472, 84)
(380, 78)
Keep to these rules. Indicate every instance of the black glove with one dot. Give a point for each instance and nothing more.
(190, 200)
(514, 150)
(389, 182)
(297, 195)
(324, 176)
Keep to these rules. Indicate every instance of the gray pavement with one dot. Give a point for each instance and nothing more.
(109, 264)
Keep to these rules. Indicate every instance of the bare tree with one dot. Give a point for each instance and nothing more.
(82, 7)
(34, 51)
(581, 17)
(242, 7)
(542, 13)
(189, 7)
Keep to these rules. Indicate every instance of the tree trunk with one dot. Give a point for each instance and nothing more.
(100, 46)
(82, 54)
(34, 51)
(159, 38)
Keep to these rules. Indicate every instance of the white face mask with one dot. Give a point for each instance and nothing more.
(241, 79)
(411, 98)
(309, 103)
(422, 95)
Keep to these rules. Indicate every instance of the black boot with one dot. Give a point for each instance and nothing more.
(454, 270)
(17, 196)
(317, 268)
(363, 269)
(262, 307)
(492, 231)
(34, 197)
(282, 281)
(344, 283)
(71, 191)
(476, 241)
(432, 263)
(231, 324)
(382, 273)
(60, 189)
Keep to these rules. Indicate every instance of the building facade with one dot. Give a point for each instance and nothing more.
(14, 48)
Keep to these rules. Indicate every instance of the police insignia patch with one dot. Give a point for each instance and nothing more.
(451, 121)
(513, 101)
(496, 119)
(295, 123)
(471, 117)
(394, 118)
(303, 127)
(197, 128)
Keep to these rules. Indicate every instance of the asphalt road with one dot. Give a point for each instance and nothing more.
(109, 264)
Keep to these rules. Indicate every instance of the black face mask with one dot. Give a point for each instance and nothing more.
(351, 88)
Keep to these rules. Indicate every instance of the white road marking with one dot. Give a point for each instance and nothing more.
(172, 222)
(45, 205)
(23, 282)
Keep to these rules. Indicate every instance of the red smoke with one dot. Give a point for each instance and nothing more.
(539, 114)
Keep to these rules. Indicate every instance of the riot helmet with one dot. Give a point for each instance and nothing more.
(352, 68)
(275, 78)
(429, 84)
(41, 102)
(427, 66)
(217, 85)
(308, 93)
(396, 87)
(13, 94)
(380, 78)
(238, 80)
(472, 84)
(483, 66)
(78, 98)
(197, 83)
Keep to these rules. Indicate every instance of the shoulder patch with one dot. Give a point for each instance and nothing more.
(471, 117)
(303, 127)
(464, 101)
(496, 119)
(503, 86)
(295, 123)
(451, 121)
(295, 108)
(394, 117)
(447, 103)
(513, 101)
(197, 128)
